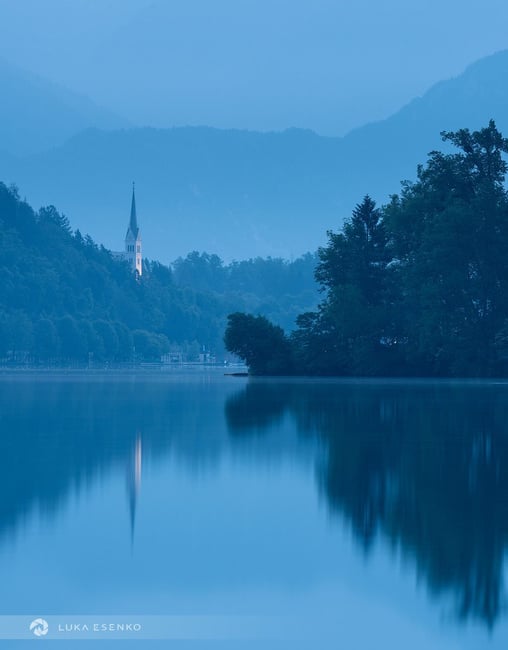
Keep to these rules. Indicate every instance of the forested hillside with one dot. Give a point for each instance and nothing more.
(64, 298)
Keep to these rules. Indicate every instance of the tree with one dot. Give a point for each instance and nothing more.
(108, 337)
(46, 343)
(262, 345)
(125, 342)
(16, 332)
(150, 346)
(50, 215)
(347, 333)
(358, 255)
(420, 286)
(449, 237)
(72, 340)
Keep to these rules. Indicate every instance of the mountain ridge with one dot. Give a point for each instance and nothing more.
(37, 114)
(244, 193)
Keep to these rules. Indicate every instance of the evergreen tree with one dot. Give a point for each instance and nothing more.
(348, 333)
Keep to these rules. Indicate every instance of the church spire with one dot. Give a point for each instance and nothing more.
(133, 223)
(133, 252)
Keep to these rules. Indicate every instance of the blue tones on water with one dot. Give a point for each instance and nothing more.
(355, 514)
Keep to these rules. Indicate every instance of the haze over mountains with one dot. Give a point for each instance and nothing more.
(244, 193)
(327, 65)
(36, 114)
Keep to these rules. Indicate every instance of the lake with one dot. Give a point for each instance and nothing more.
(228, 512)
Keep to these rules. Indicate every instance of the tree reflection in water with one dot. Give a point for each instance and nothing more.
(423, 465)
(58, 434)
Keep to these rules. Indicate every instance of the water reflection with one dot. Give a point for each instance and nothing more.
(423, 466)
(134, 468)
(58, 436)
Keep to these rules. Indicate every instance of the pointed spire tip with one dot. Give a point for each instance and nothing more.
(133, 223)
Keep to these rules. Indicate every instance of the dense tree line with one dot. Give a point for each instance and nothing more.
(65, 298)
(416, 287)
(276, 288)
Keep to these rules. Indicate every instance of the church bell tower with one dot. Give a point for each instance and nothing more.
(133, 240)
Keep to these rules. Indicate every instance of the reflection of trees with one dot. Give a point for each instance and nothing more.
(57, 435)
(424, 465)
(242, 416)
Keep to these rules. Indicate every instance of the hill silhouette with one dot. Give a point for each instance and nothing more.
(243, 193)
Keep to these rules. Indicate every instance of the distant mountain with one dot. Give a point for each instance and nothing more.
(236, 193)
(36, 114)
(384, 152)
(250, 64)
(244, 193)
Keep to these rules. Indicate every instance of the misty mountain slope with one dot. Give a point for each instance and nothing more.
(390, 149)
(244, 193)
(254, 64)
(237, 193)
(36, 114)
(270, 64)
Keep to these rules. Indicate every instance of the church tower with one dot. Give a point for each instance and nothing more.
(133, 240)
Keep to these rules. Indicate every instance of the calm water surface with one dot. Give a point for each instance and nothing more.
(355, 514)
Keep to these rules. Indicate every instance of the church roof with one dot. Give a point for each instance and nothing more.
(133, 222)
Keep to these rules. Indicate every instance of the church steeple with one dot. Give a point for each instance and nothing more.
(133, 223)
(133, 252)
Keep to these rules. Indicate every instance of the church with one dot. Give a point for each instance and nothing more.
(132, 253)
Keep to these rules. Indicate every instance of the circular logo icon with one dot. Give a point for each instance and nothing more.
(39, 627)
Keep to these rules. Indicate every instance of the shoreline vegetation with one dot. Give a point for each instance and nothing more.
(415, 288)
(66, 301)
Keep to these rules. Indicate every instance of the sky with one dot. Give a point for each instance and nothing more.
(326, 65)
